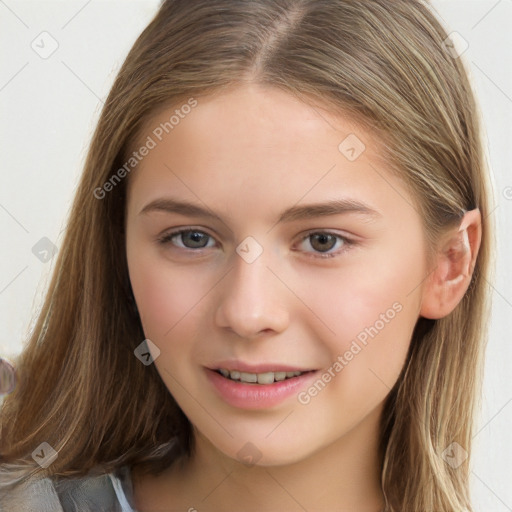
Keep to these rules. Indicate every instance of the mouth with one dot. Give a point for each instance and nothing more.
(262, 386)
(264, 378)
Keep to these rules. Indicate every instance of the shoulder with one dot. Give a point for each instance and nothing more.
(99, 492)
(30, 495)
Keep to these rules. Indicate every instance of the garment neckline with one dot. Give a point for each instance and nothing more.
(123, 487)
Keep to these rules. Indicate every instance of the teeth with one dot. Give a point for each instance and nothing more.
(260, 378)
(266, 378)
(248, 377)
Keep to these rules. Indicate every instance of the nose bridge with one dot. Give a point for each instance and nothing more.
(252, 298)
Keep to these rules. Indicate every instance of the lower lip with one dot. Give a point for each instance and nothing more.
(257, 396)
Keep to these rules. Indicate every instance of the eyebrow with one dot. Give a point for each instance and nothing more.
(295, 213)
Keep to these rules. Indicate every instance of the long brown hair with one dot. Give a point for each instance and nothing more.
(82, 390)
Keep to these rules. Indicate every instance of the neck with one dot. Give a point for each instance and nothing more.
(344, 475)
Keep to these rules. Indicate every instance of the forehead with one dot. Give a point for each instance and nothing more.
(258, 143)
(252, 115)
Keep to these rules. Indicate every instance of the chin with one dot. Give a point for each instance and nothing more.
(262, 452)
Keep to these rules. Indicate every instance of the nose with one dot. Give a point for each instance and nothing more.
(252, 300)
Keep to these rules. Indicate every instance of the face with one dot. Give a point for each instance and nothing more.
(300, 252)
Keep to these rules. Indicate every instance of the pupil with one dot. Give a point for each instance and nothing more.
(323, 239)
(196, 238)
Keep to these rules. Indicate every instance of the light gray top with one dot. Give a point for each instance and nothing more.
(107, 492)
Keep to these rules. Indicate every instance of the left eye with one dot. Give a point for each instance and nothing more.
(322, 243)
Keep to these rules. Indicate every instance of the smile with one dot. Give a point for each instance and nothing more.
(258, 390)
(258, 378)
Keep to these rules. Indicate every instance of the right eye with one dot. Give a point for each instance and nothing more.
(187, 239)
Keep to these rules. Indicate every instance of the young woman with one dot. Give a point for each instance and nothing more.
(271, 293)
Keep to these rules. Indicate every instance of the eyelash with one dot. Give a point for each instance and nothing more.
(347, 242)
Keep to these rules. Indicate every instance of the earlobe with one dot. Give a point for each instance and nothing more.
(454, 266)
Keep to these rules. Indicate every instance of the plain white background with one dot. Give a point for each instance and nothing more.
(50, 104)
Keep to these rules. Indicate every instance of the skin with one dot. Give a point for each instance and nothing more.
(247, 155)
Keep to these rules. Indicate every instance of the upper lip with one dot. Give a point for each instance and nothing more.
(258, 368)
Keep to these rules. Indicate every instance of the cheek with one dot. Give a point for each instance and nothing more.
(165, 296)
(366, 293)
(372, 310)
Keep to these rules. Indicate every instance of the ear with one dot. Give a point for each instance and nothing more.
(453, 267)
